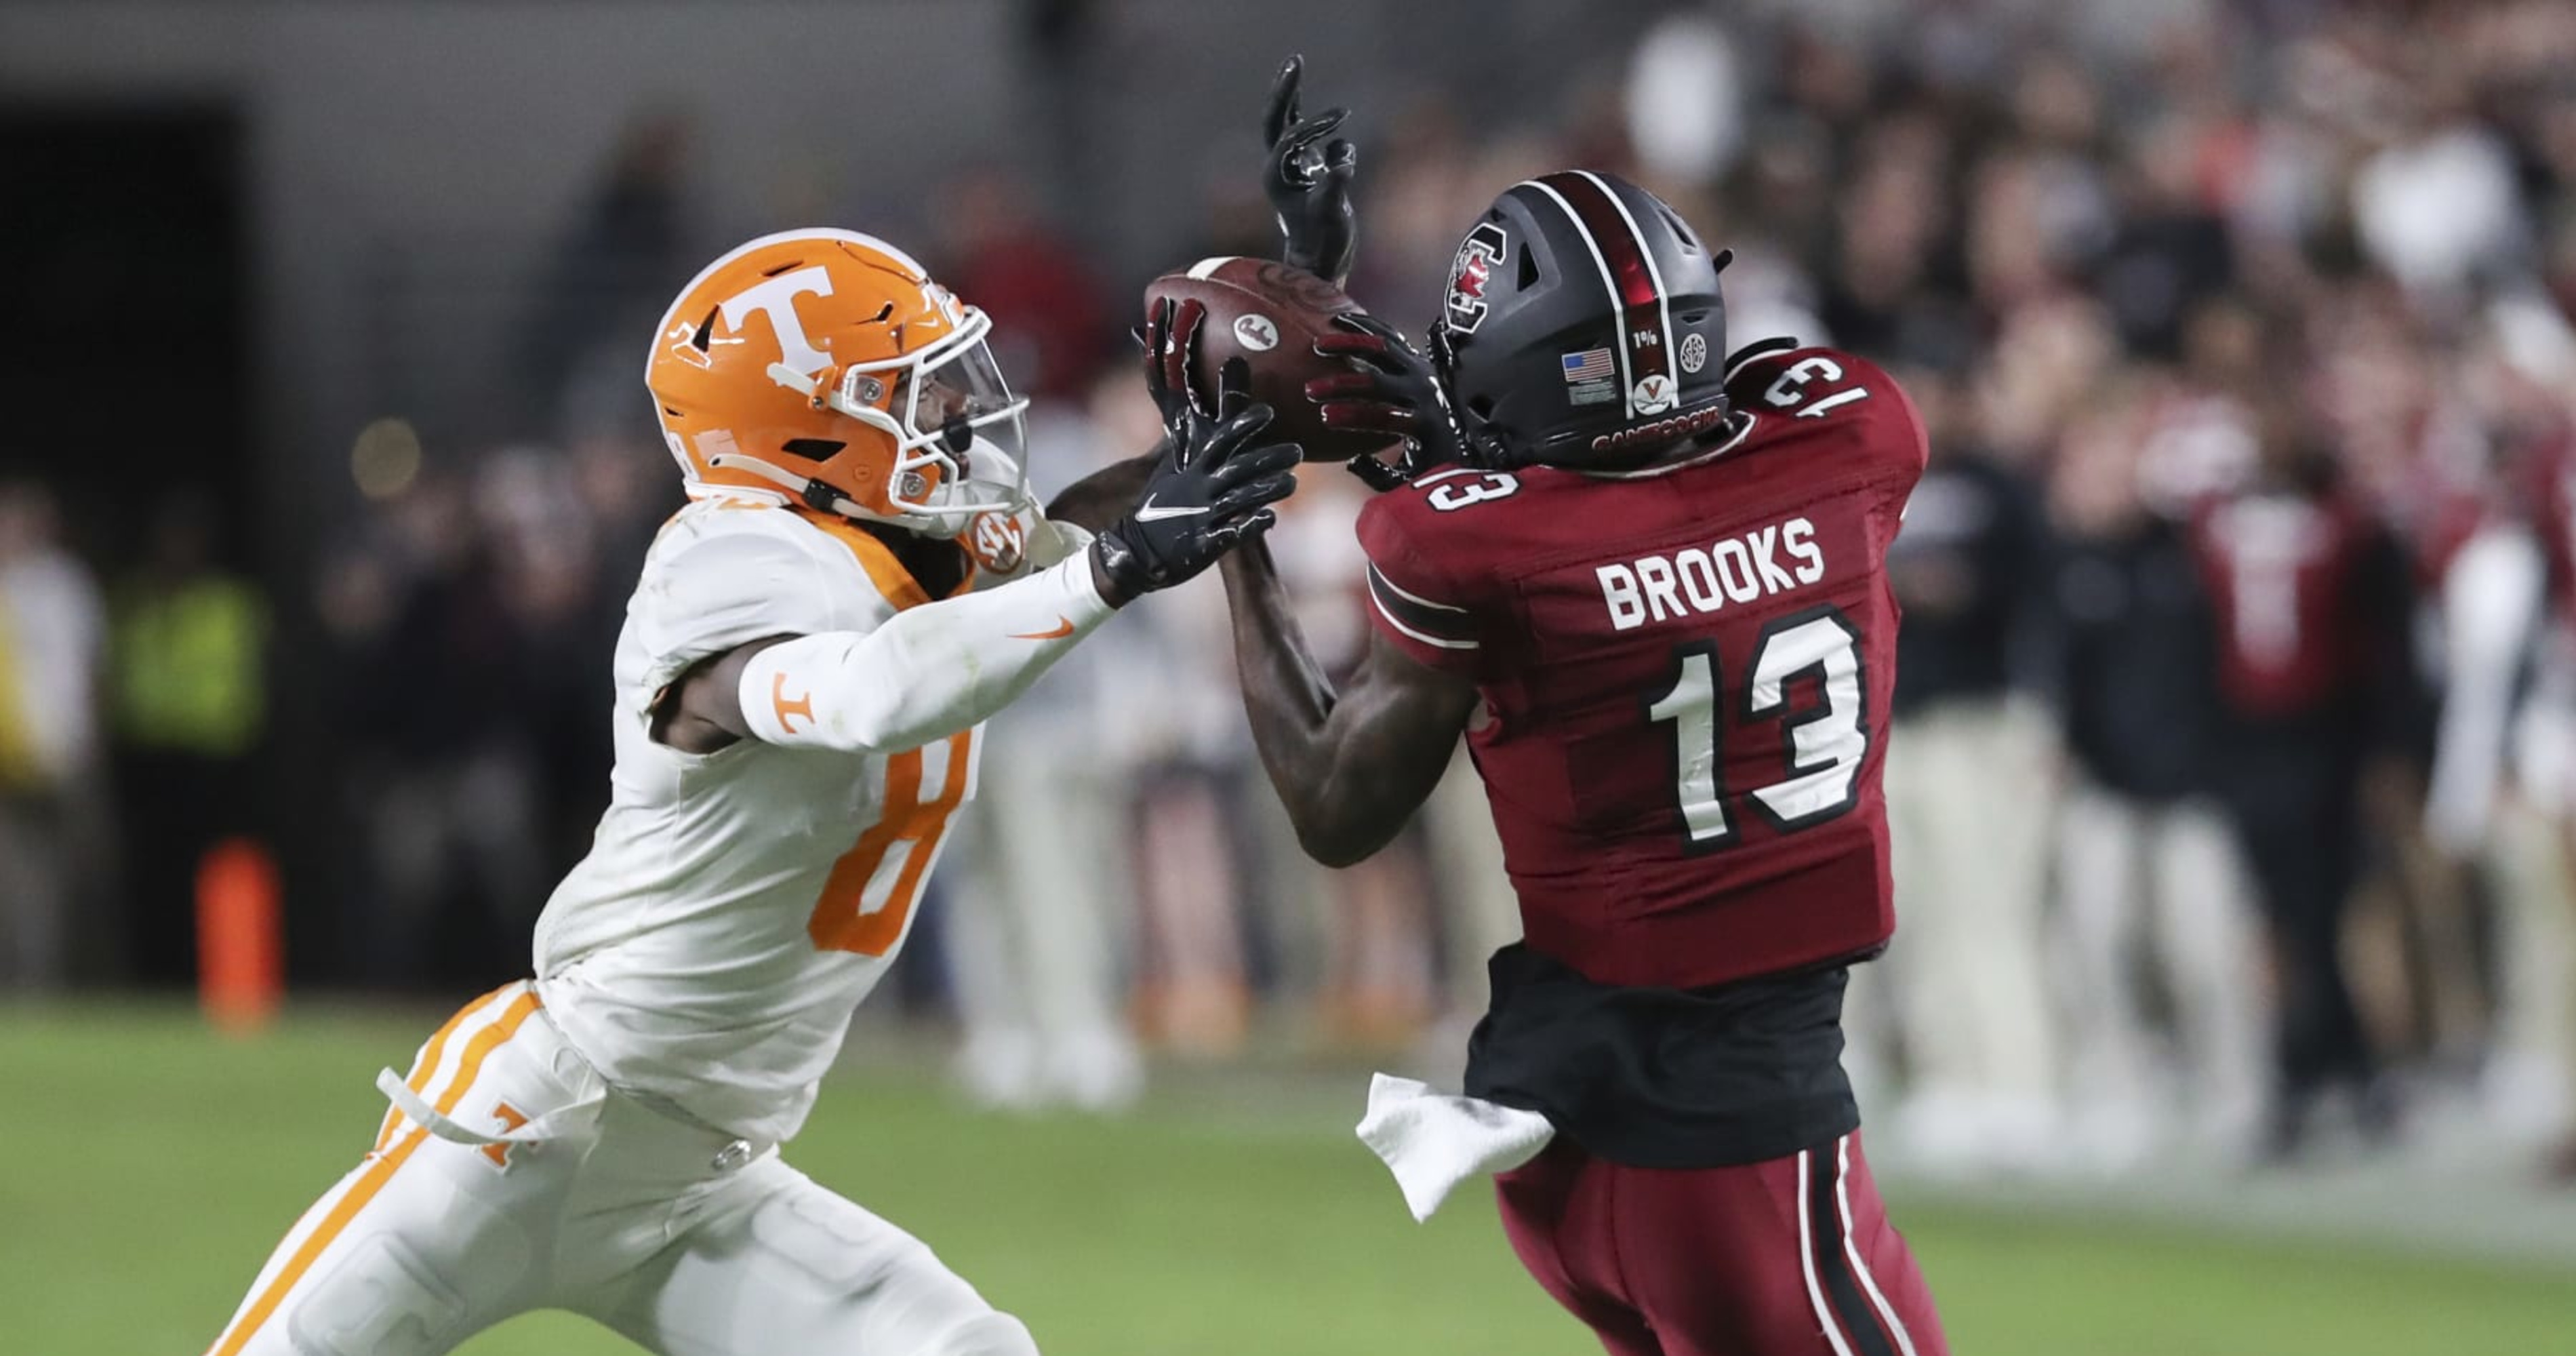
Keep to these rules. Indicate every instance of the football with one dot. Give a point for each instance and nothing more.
(1270, 315)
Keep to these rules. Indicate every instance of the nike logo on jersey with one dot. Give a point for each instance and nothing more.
(1063, 628)
(1153, 513)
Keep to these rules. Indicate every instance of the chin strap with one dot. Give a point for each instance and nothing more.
(811, 492)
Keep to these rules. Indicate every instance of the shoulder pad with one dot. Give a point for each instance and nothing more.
(723, 574)
(1824, 392)
(1446, 497)
(1423, 576)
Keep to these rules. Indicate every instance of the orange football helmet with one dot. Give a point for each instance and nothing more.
(826, 366)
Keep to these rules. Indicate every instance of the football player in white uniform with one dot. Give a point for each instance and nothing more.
(806, 664)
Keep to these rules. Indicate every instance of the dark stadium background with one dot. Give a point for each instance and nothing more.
(324, 470)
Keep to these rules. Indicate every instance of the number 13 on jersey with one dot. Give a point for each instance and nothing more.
(1824, 740)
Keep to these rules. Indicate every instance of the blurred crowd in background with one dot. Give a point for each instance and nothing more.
(2235, 757)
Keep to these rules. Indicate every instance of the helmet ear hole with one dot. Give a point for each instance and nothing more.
(1529, 267)
(812, 449)
(1482, 407)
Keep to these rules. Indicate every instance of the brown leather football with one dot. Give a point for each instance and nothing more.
(1270, 315)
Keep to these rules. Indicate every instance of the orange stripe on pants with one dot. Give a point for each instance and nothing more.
(426, 1067)
(379, 1171)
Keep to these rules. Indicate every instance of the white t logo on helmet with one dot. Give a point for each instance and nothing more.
(776, 298)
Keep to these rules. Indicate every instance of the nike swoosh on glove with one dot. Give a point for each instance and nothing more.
(1212, 490)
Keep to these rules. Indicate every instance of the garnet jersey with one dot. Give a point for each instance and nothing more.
(2307, 591)
(1687, 672)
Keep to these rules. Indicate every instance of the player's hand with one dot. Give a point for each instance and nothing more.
(1170, 338)
(1209, 492)
(1309, 184)
(1395, 390)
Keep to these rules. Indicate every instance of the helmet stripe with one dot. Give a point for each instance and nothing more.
(1636, 287)
(1654, 275)
(1594, 204)
(1627, 384)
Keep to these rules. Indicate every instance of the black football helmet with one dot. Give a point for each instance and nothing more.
(1583, 325)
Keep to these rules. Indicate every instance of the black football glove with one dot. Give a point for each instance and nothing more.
(1170, 338)
(1310, 185)
(1210, 487)
(1395, 390)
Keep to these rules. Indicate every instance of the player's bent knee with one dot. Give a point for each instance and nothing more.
(990, 1333)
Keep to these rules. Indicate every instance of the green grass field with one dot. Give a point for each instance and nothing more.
(149, 1167)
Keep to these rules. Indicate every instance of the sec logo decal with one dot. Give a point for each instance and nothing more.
(998, 542)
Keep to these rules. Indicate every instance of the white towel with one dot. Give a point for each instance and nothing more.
(1432, 1141)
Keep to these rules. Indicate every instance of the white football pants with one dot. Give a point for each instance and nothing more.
(2162, 882)
(1967, 785)
(578, 1197)
(1036, 925)
(1483, 910)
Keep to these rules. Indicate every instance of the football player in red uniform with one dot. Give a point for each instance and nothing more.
(2311, 599)
(1644, 581)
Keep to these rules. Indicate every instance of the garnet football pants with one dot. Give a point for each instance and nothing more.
(1787, 1257)
(685, 1241)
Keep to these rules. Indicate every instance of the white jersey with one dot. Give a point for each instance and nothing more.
(736, 906)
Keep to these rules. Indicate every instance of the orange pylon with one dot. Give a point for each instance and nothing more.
(241, 960)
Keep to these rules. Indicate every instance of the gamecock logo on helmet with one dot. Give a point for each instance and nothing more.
(1478, 256)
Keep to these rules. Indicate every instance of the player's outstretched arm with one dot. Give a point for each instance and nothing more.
(1351, 766)
(928, 672)
(938, 668)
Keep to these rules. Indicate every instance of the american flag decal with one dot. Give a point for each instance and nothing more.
(1592, 364)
